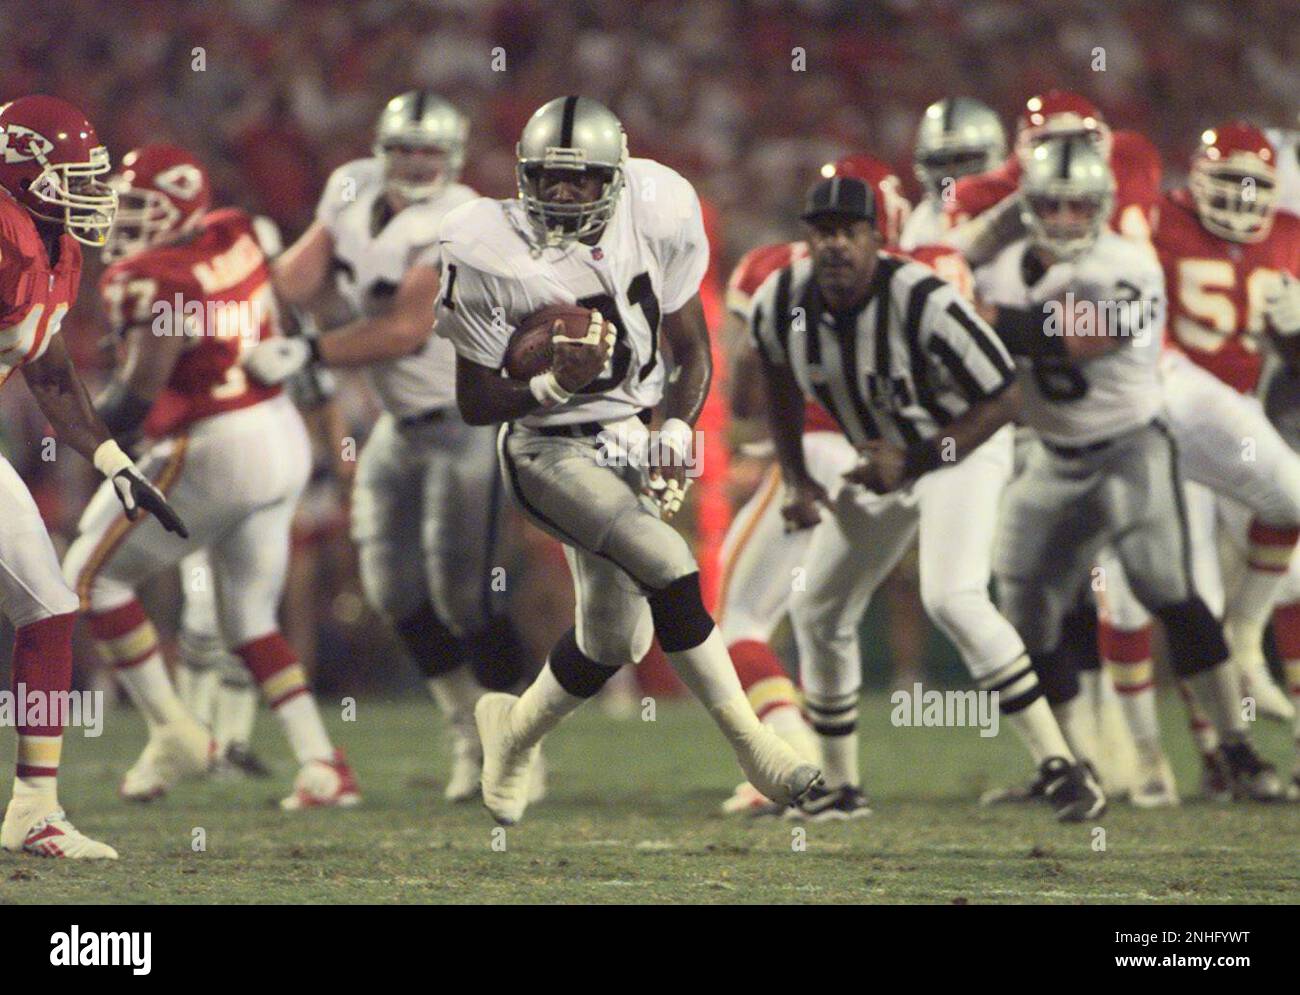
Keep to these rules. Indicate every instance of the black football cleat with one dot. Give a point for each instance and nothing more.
(1252, 777)
(830, 804)
(1072, 790)
(240, 758)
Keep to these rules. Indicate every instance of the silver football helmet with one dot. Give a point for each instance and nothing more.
(574, 133)
(1067, 194)
(958, 136)
(420, 120)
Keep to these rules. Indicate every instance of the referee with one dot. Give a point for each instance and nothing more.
(925, 392)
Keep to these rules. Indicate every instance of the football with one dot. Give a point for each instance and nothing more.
(529, 351)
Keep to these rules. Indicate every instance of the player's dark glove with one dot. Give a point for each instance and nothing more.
(134, 490)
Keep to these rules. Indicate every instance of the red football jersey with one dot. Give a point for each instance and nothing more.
(1216, 288)
(1133, 159)
(758, 264)
(216, 290)
(34, 296)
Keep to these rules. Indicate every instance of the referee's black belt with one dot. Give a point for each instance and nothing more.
(584, 429)
(423, 418)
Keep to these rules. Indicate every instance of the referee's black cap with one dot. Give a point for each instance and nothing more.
(842, 195)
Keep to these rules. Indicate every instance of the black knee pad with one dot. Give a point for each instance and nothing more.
(1079, 638)
(498, 657)
(681, 623)
(435, 649)
(576, 672)
(1194, 637)
(1057, 676)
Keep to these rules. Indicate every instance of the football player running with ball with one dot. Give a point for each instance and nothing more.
(625, 239)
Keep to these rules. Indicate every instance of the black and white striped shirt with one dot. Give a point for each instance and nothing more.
(910, 359)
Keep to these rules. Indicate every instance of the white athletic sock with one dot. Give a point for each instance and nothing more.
(1034, 724)
(304, 729)
(1218, 692)
(1136, 691)
(840, 760)
(788, 723)
(197, 689)
(1078, 724)
(151, 689)
(234, 714)
(708, 672)
(540, 708)
(1037, 728)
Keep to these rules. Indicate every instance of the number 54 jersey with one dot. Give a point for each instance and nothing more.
(1114, 288)
(648, 262)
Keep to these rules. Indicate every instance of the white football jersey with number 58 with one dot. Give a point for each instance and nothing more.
(648, 262)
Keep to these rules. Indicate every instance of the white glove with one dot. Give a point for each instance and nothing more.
(674, 441)
(1282, 306)
(273, 361)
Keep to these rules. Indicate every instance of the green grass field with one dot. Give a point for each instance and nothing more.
(631, 818)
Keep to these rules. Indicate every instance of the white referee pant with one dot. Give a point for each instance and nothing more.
(955, 512)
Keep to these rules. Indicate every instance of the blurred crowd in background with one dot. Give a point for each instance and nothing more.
(745, 97)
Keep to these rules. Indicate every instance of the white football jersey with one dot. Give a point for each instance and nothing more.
(372, 252)
(1081, 402)
(649, 262)
(1287, 144)
(924, 226)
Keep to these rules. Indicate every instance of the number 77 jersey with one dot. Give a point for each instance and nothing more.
(1217, 288)
(648, 262)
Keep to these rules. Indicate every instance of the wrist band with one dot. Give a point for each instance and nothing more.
(110, 460)
(547, 390)
(677, 434)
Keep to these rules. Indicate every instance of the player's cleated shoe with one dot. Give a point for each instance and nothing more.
(773, 767)
(323, 784)
(1072, 790)
(1154, 785)
(507, 767)
(466, 767)
(1016, 794)
(830, 804)
(1252, 778)
(747, 800)
(174, 752)
(1216, 779)
(48, 833)
(240, 761)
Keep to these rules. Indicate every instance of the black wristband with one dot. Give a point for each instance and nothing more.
(1022, 331)
(921, 458)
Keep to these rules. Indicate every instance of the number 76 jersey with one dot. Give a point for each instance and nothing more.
(649, 262)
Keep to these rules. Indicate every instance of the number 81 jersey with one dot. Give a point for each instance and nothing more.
(648, 262)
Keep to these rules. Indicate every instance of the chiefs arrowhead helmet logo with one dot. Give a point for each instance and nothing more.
(21, 144)
(182, 181)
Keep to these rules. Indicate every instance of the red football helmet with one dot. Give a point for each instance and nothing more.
(1060, 112)
(1233, 180)
(162, 191)
(892, 207)
(49, 160)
